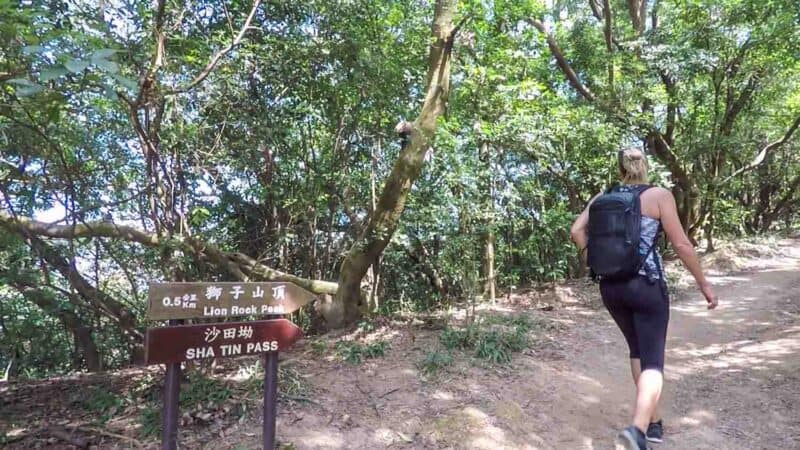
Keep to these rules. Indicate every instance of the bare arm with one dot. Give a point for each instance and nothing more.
(578, 231)
(683, 247)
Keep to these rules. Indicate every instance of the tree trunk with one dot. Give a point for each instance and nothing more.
(608, 26)
(637, 9)
(422, 258)
(417, 137)
(488, 224)
(709, 231)
(84, 342)
(770, 215)
(101, 301)
(488, 255)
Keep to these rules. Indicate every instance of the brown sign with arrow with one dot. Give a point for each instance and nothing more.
(224, 299)
(218, 340)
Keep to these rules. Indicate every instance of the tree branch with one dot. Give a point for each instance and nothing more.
(240, 265)
(572, 77)
(734, 107)
(672, 107)
(608, 32)
(784, 200)
(91, 294)
(71, 321)
(637, 9)
(597, 12)
(762, 155)
(663, 150)
(220, 54)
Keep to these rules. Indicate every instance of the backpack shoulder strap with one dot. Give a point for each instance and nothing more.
(635, 188)
(640, 188)
(643, 262)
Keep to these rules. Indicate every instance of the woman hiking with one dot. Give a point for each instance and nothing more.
(617, 233)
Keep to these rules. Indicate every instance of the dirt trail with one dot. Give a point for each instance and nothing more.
(732, 378)
(732, 382)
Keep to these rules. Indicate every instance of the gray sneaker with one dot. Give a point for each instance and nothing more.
(631, 438)
(655, 432)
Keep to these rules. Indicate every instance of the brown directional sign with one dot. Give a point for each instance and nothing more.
(193, 300)
(218, 340)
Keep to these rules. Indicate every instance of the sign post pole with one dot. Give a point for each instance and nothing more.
(270, 398)
(173, 344)
(169, 414)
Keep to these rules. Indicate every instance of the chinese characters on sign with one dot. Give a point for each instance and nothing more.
(174, 344)
(190, 342)
(224, 299)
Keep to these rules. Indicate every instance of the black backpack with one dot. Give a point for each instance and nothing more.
(614, 233)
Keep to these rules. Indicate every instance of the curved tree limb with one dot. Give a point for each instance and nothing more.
(88, 292)
(416, 139)
(782, 203)
(240, 265)
(572, 77)
(71, 321)
(762, 155)
(221, 54)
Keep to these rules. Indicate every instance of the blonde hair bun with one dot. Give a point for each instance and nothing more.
(633, 166)
(635, 155)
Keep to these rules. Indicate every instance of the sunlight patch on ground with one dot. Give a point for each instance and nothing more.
(590, 399)
(727, 279)
(586, 379)
(387, 437)
(776, 347)
(319, 439)
(745, 354)
(697, 418)
(442, 395)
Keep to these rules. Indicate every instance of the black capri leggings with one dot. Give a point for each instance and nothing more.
(641, 310)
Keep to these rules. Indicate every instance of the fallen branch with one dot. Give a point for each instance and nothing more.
(122, 437)
(389, 392)
(298, 398)
(68, 437)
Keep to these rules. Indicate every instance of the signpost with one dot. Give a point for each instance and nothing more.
(218, 340)
(195, 300)
(176, 343)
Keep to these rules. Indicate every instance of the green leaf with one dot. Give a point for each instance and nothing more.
(31, 49)
(106, 65)
(110, 93)
(20, 82)
(26, 87)
(199, 216)
(69, 156)
(51, 73)
(125, 81)
(76, 65)
(103, 53)
(27, 91)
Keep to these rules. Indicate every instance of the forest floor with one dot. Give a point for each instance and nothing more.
(732, 378)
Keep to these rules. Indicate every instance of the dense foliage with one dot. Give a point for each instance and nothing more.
(239, 139)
